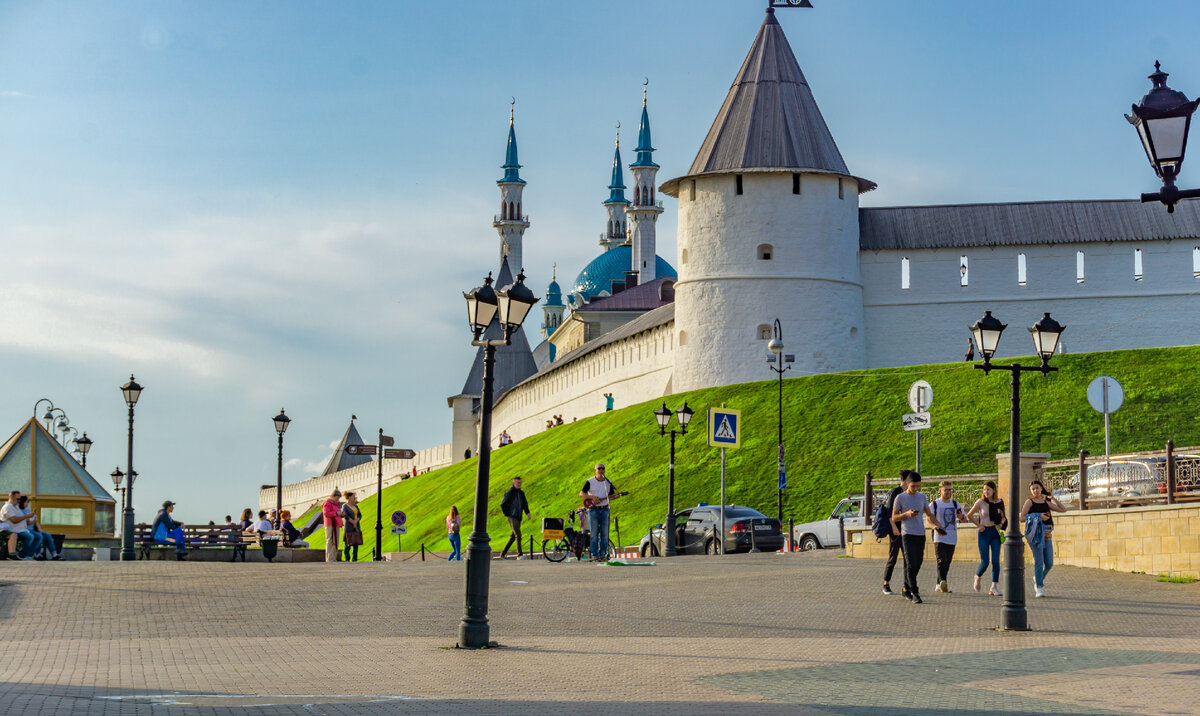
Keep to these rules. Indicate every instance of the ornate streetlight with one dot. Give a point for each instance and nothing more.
(281, 426)
(117, 476)
(83, 445)
(776, 361)
(1163, 119)
(663, 416)
(131, 392)
(1046, 333)
(494, 316)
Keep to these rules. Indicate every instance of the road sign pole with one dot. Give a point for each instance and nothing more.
(379, 505)
(1104, 387)
(722, 542)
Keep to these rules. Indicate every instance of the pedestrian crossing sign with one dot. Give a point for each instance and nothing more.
(724, 427)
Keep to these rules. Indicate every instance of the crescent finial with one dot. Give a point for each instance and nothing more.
(511, 106)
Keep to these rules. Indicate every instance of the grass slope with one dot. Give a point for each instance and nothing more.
(836, 427)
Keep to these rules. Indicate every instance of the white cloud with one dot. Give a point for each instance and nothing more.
(12, 93)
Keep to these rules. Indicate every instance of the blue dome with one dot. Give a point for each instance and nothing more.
(611, 265)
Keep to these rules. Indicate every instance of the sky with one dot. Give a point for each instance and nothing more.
(255, 205)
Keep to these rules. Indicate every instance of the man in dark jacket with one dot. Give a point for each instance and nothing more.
(167, 531)
(894, 540)
(514, 506)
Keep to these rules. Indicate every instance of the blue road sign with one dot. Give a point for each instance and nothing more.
(724, 427)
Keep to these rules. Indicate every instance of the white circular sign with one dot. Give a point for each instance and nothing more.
(920, 396)
(1096, 390)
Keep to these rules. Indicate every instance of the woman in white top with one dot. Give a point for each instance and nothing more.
(988, 515)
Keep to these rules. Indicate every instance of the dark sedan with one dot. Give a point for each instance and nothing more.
(696, 531)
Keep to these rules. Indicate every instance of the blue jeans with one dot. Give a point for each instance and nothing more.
(1043, 560)
(456, 545)
(989, 542)
(175, 539)
(27, 544)
(598, 521)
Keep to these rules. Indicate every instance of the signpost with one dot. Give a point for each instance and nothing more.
(398, 526)
(360, 449)
(1105, 395)
(400, 454)
(920, 397)
(385, 441)
(724, 431)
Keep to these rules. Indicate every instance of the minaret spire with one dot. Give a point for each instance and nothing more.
(511, 222)
(615, 233)
(643, 213)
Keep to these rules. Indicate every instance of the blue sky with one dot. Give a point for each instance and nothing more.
(254, 204)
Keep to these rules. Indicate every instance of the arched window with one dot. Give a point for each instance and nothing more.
(503, 210)
(765, 252)
(1196, 262)
(683, 255)
(683, 338)
(637, 194)
(1137, 265)
(610, 229)
(1078, 267)
(764, 332)
(651, 195)
(692, 191)
(518, 216)
(904, 284)
(1021, 269)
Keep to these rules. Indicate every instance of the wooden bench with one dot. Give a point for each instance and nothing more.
(202, 537)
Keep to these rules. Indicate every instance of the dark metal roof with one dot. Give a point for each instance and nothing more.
(340, 459)
(643, 297)
(769, 120)
(1023, 224)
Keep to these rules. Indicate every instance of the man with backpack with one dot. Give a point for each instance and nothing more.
(883, 526)
(945, 538)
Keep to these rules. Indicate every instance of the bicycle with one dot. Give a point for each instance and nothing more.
(560, 540)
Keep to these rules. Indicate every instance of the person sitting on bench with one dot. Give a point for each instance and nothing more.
(167, 531)
(290, 534)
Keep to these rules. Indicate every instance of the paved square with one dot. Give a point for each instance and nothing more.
(765, 634)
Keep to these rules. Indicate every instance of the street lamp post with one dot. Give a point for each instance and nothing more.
(131, 392)
(494, 316)
(1046, 333)
(776, 361)
(1162, 120)
(83, 445)
(663, 416)
(281, 426)
(117, 475)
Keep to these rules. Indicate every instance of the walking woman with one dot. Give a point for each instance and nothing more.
(352, 533)
(988, 514)
(453, 525)
(1039, 523)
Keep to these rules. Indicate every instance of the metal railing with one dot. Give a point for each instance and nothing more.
(1129, 479)
(967, 489)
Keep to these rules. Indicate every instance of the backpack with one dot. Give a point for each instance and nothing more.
(881, 524)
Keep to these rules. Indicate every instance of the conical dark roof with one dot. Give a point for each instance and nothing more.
(514, 362)
(340, 460)
(770, 120)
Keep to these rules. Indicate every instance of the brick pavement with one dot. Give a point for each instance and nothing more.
(768, 634)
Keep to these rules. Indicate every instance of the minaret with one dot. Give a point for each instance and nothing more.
(511, 222)
(643, 214)
(552, 308)
(614, 234)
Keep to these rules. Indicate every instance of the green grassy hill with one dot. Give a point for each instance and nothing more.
(836, 427)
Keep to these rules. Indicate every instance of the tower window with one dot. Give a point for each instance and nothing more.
(1196, 262)
(796, 183)
(765, 252)
(683, 338)
(841, 189)
(504, 211)
(651, 195)
(962, 270)
(1078, 267)
(904, 284)
(683, 256)
(738, 180)
(637, 194)
(1137, 265)
(764, 332)
(1021, 269)
(692, 191)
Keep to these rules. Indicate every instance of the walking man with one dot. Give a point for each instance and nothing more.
(331, 511)
(597, 491)
(893, 534)
(515, 507)
(945, 538)
(906, 511)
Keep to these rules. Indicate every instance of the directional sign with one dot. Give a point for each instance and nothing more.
(387, 440)
(399, 518)
(1105, 394)
(401, 453)
(916, 421)
(724, 427)
(399, 529)
(920, 396)
(782, 475)
(360, 449)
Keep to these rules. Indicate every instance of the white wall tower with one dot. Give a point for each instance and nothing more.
(643, 214)
(614, 231)
(511, 222)
(768, 227)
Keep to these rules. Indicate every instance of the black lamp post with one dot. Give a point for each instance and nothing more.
(663, 416)
(117, 476)
(64, 427)
(776, 361)
(494, 316)
(1163, 119)
(131, 391)
(83, 445)
(1046, 333)
(281, 426)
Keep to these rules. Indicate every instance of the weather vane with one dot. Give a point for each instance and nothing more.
(789, 3)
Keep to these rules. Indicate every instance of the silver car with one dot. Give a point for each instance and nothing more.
(1118, 483)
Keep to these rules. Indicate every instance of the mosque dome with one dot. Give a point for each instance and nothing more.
(611, 265)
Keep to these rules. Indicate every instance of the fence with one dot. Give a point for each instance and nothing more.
(967, 488)
(1164, 476)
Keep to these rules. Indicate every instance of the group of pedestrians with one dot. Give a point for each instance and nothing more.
(23, 535)
(345, 519)
(910, 510)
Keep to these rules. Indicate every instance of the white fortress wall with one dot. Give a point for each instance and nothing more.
(1109, 310)
(634, 368)
(300, 496)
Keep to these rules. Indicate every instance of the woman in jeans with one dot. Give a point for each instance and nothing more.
(988, 514)
(1040, 503)
(453, 525)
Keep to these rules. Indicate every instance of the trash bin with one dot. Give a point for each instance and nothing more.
(270, 547)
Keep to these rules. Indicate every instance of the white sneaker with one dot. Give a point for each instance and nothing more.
(945, 586)
(938, 587)
(1039, 592)
(995, 590)
(978, 582)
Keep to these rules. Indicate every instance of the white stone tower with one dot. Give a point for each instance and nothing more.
(643, 214)
(511, 222)
(552, 308)
(614, 231)
(768, 228)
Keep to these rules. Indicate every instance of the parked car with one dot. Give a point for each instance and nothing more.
(696, 531)
(1124, 482)
(830, 532)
